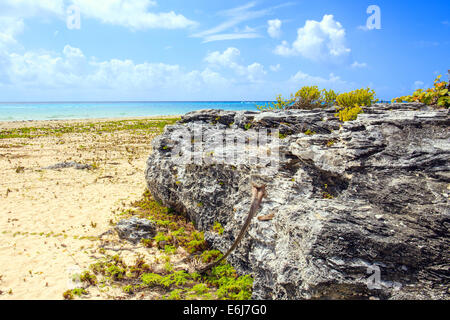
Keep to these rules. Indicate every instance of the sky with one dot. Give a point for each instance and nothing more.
(203, 50)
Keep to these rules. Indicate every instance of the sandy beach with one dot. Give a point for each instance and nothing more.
(50, 218)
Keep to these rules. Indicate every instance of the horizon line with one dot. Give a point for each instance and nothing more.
(135, 101)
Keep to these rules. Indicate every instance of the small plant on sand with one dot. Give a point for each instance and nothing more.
(200, 289)
(197, 243)
(128, 289)
(162, 275)
(174, 295)
(115, 272)
(88, 277)
(169, 249)
(210, 256)
(148, 243)
(70, 294)
(151, 279)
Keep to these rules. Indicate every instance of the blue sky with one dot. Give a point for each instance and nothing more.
(216, 50)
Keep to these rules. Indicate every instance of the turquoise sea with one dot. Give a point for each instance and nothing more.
(88, 110)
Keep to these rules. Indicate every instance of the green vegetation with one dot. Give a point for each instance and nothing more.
(218, 228)
(70, 294)
(360, 97)
(437, 96)
(310, 133)
(348, 105)
(143, 126)
(162, 275)
(88, 277)
(307, 98)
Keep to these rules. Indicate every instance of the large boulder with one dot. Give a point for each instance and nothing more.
(360, 209)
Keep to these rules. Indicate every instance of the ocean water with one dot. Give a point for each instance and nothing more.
(89, 110)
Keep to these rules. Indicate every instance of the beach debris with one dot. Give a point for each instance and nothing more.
(71, 164)
(19, 169)
(135, 229)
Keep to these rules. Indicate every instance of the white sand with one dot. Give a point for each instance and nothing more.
(45, 205)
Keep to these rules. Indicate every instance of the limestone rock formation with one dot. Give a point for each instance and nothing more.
(360, 209)
(135, 229)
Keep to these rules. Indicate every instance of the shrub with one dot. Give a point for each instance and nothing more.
(280, 104)
(360, 97)
(349, 104)
(436, 96)
(349, 114)
(307, 98)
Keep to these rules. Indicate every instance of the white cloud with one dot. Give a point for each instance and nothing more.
(332, 82)
(274, 28)
(275, 68)
(228, 59)
(255, 72)
(131, 14)
(27, 8)
(418, 85)
(9, 29)
(284, 49)
(318, 41)
(72, 73)
(357, 65)
(71, 52)
(230, 36)
(233, 18)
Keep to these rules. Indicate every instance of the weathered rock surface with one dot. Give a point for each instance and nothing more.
(135, 229)
(71, 164)
(348, 201)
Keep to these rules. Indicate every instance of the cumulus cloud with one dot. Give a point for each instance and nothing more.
(9, 29)
(318, 41)
(229, 59)
(274, 28)
(70, 73)
(332, 82)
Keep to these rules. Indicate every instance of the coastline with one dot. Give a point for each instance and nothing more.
(6, 124)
